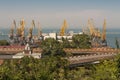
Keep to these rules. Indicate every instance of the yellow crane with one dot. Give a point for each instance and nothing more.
(12, 30)
(22, 28)
(14, 22)
(63, 28)
(104, 31)
(98, 33)
(94, 32)
(39, 30)
(18, 32)
(31, 29)
(91, 27)
(13, 27)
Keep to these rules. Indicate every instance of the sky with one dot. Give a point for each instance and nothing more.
(51, 13)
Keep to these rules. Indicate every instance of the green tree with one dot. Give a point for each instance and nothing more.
(81, 41)
(118, 66)
(53, 64)
(78, 73)
(65, 43)
(3, 42)
(52, 47)
(29, 68)
(106, 70)
(54, 67)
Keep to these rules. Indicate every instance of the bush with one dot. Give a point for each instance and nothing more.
(3, 42)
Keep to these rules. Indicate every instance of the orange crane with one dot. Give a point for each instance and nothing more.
(63, 28)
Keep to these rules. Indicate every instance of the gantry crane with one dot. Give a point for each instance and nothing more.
(63, 28)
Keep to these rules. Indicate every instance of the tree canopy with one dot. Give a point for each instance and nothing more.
(52, 47)
(54, 65)
(81, 41)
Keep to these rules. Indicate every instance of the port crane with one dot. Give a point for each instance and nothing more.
(94, 32)
(103, 36)
(39, 30)
(31, 29)
(98, 39)
(63, 28)
(12, 29)
(22, 28)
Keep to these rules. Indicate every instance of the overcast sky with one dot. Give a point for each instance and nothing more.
(51, 13)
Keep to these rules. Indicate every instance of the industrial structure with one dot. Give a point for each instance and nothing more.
(21, 43)
(98, 38)
(18, 36)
